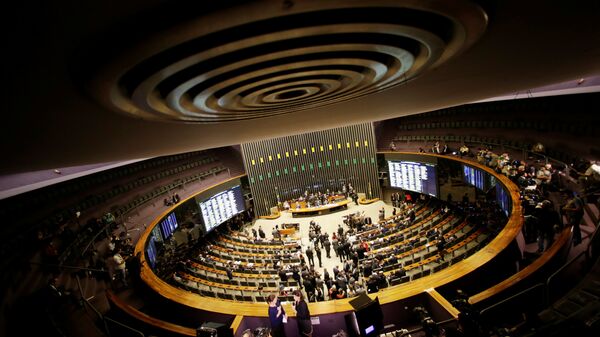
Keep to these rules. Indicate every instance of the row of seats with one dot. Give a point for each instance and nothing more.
(24, 214)
(80, 185)
(166, 188)
(85, 237)
(258, 246)
(516, 144)
(413, 230)
(429, 263)
(408, 255)
(227, 294)
(540, 125)
(256, 261)
(95, 200)
(213, 274)
(249, 285)
(421, 210)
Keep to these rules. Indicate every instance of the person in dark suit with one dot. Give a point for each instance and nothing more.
(302, 315)
(276, 314)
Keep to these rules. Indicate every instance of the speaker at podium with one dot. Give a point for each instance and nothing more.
(213, 329)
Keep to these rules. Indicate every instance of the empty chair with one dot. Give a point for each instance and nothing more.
(417, 275)
(208, 293)
(226, 296)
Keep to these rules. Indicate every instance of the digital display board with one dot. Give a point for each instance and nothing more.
(492, 182)
(222, 207)
(414, 176)
(474, 177)
(151, 252)
(503, 199)
(168, 226)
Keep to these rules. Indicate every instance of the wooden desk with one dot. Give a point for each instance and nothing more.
(287, 231)
(321, 209)
(364, 201)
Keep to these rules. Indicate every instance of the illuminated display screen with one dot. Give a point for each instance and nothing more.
(474, 177)
(168, 225)
(413, 176)
(151, 252)
(503, 199)
(222, 207)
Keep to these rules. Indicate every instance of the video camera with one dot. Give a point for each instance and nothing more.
(429, 325)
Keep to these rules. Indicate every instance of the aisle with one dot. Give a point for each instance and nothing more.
(329, 224)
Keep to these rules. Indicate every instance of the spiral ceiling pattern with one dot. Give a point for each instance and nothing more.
(292, 61)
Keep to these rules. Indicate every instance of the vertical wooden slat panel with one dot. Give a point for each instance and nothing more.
(293, 184)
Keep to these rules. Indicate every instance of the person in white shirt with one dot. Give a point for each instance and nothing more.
(120, 266)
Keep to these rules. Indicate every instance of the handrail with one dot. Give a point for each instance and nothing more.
(93, 239)
(549, 280)
(563, 239)
(592, 238)
(537, 285)
(123, 325)
(85, 300)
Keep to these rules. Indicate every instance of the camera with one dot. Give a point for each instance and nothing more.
(429, 325)
(262, 332)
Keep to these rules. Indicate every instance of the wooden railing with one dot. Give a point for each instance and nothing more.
(456, 271)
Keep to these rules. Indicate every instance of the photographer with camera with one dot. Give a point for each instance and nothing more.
(468, 318)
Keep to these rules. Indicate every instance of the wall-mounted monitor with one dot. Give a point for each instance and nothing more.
(474, 177)
(414, 176)
(221, 207)
(168, 225)
(151, 252)
(503, 199)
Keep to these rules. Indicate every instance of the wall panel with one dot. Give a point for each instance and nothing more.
(283, 168)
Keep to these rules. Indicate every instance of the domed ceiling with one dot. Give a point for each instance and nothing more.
(101, 81)
(258, 61)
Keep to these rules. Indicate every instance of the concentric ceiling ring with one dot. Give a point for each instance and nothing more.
(261, 60)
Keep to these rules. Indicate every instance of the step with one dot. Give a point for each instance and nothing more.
(592, 213)
(567, 308)
(550, 316)
(581, 298)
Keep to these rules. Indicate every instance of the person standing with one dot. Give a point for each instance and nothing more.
(327, 245)
(310, 256)
(574, 211)
(318, 253)
(120, 267)
(302, 315)
(276, 315)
